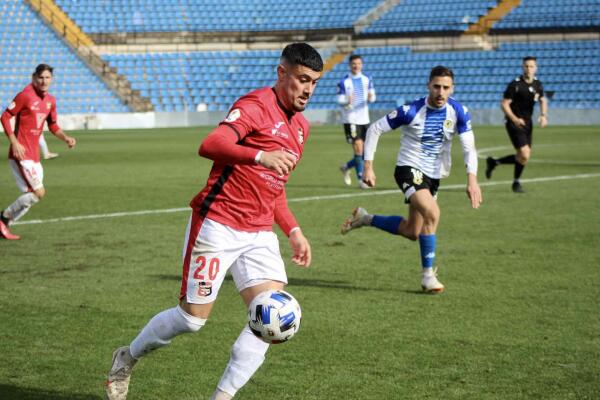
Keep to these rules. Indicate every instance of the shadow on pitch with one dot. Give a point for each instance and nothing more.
(20, 393)
(318, 283)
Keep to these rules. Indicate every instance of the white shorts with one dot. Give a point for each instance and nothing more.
(28, 174)
(211, 249)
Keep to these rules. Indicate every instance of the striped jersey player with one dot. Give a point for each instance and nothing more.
(428, 126)
(355, 92)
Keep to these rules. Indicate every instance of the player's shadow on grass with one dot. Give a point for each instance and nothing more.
(10, 392)
(301, 282)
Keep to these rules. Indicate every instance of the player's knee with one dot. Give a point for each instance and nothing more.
(40, 193)
(188, 322)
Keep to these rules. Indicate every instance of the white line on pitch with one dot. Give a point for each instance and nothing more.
(300, 199)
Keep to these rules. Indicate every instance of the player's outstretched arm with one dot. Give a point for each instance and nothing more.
(474, 191)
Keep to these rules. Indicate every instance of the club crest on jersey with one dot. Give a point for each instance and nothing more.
(233, 115)
(300, 136)
(417, 176)
(448, 124)
(204, 289)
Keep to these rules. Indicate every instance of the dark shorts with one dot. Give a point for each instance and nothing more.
(411, 179)
(520, 136)
(354, 132)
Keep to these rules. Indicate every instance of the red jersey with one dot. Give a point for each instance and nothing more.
(244, 196)
(31, 111)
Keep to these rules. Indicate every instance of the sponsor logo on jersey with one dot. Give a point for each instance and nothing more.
(276, 132)
(34, 106)
(233, 115)
(300, 136)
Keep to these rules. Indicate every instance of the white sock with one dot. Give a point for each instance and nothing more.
(20, 206)
(159, 331)
(247, 355)
(43, 146)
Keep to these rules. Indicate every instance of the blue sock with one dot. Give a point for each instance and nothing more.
(360, 166)
(350, 164)
(387, 223)
(427, 244)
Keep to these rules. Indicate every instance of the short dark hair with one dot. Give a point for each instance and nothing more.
(529, 58)
(302, 54)
(354, 57)
(41, 68)
(440, 70)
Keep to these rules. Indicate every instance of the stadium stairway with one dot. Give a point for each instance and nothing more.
(495, 14)
(82, 45)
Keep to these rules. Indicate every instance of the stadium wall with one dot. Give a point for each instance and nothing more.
(317, 117)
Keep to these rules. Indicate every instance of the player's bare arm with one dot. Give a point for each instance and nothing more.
(520, 122)
(69, 140)
(300, 246)
(279, 161)
(369, 174)
(17, 148)
(543, 118)
(474, 191)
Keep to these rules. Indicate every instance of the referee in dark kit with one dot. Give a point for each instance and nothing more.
(519, 99)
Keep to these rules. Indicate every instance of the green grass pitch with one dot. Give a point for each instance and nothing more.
(519, 318)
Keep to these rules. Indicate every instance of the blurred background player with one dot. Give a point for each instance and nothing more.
(31, 108)
(428, 126)
(355, 91)
(519, 99)
(46, 153)
(254, 149)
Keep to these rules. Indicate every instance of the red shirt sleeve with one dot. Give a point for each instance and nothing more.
(52, 119)
(13, 109)
(225, 143)
(283, 215)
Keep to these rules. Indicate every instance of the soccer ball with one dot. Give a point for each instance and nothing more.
(274, 316)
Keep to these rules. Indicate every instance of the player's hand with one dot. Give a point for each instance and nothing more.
(279, 161)
(369, 174)
(300, 248)
(70, 141)
(543, 121)
(18, 150)
(519, 122)
(474, 191)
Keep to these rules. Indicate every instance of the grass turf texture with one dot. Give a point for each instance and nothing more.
(519, 318)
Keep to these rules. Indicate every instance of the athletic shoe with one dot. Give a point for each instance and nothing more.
(491, 164)
(346, 172)
(360, 217)
(517, 188)
(430, 283)
(6, 233)
(363, 185)
(117, 384)
(50, 156)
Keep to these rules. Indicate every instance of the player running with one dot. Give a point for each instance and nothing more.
(254, 149)
(519, 99)
(355, 91)
(31, 108)
(428, 126)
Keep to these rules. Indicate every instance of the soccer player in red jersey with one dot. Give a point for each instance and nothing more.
(31, 108)
(254, 149)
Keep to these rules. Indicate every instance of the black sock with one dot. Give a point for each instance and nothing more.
(507, 160)
(3, 218)
(518, 170)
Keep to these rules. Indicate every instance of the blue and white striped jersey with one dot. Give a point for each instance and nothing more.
(358, 87)
(427, 134)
